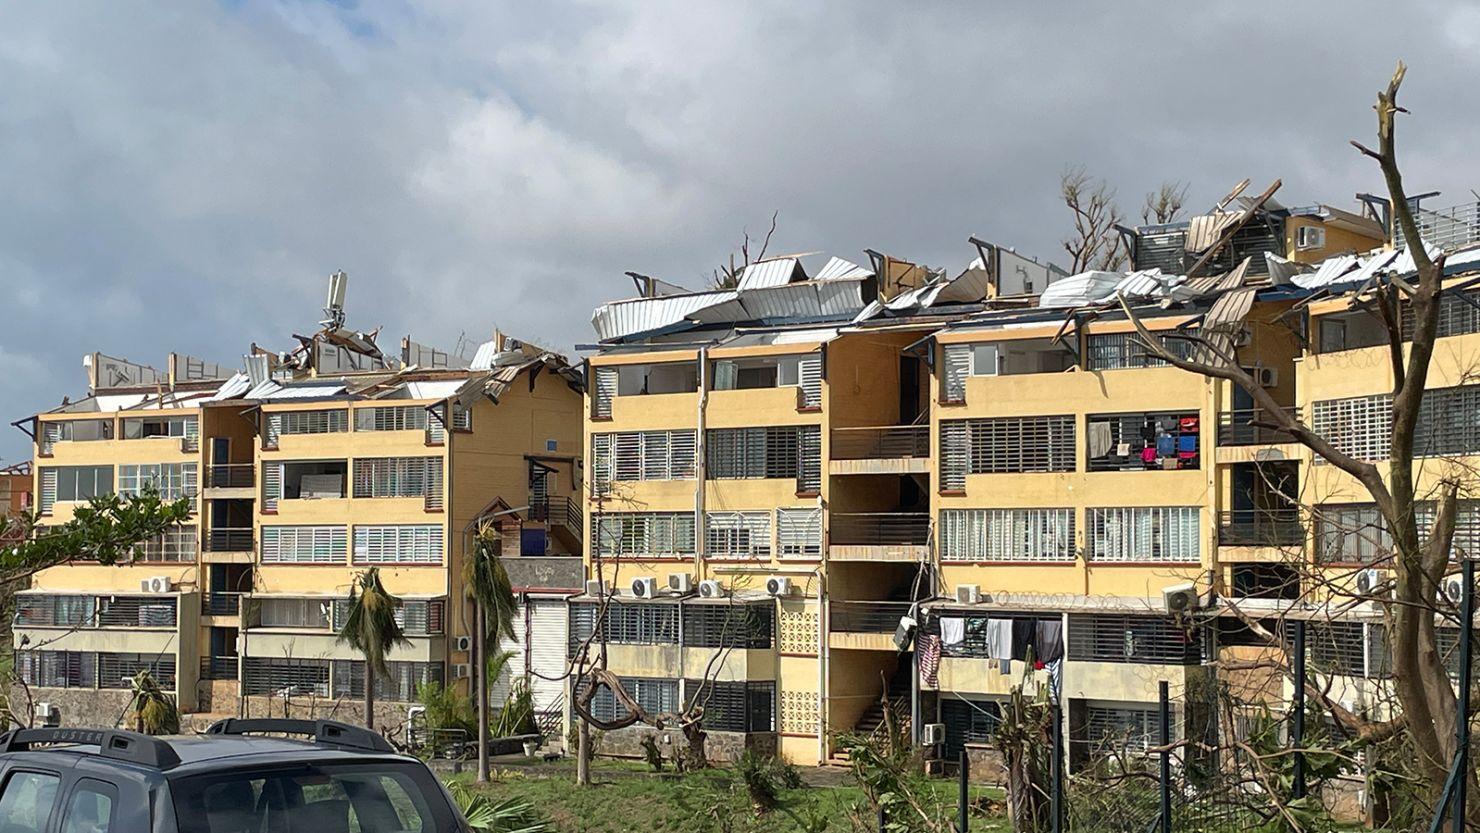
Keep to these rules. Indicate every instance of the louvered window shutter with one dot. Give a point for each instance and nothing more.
(810, 373)
(48, 490)
(958, 368)
(272, 485)
(955, 453)
(606, 388)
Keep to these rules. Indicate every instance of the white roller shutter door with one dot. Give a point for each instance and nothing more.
(548, 626)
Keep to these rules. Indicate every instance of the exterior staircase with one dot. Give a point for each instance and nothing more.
(871, 722)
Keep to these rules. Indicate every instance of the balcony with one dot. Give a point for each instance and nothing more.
(220, 604)
(886, 449)
(228, 539)
(1242, 427)
(879, 536)
(231, 480)
(219, 668)
(865, 625)
(1448, 228)
(1276, 527)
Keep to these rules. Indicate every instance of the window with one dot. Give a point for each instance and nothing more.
(177, 545)
(304, 544)
(729, 625)
(645, 534)
(642, 455)
(1144, 533)
(737, 535)
(1351, 534)
(57, 669)
(1127, 727)
(26, 803)
(626, 623)
(137, 428)
(777, 452)
(653, 695)
(417, 617)
(392, 418)
(79, 483)
(119, 670)
(736, 706)
(90, 809)
(1132, 639)
(1004, 445)
(74, 430)
(1459, 313)
(803, 372)
(54, 611)
(1007, 535)
(1347, 648)
(462, 418)
(1117, 351)
(1360, 426)
(398, 544)
(280, 675)
(667, 377)
(603, 388)
(172, 480)
(378, 477)
(137, 611)
(968, 721)
(305, 422)
(799, 532)
(398, 687)
(293, 613)
(326, 797)
(1142, 441)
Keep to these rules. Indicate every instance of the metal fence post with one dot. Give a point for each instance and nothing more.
(1056, 799)
(965, 798)
(881, 817)
(1297, 723)
(1166, 757)
(1462, 728)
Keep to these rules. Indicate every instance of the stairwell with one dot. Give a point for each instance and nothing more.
(871, 722)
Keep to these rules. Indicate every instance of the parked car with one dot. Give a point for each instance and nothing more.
(229, 779)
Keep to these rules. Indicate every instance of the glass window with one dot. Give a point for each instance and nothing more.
(382, 797)
(25, 806)
(89, 810)
(81, 483)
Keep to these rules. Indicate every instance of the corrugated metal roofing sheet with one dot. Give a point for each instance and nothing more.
(768, 273)
(440, 389)
(623, 318)
(1328, 272)
(237, 385)
(276, 390)
(839, 269)
(808, 299)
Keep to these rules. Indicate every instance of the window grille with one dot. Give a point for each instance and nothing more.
(1132, 639)
(626, 623)
(392, 418)
(119, 670)
(799, 532)
(172, 480)
(1449, 423)
(293, 613)
(1360, 426)
(177, 545)
(1140, 441)
(642, 455)
(654, 695)
(304, 544)
(955, 452)
(55, 611)
(603, 391)
(398, 544)
(957, 370)
(329, 421)
(1007, 535)
(775, 452)
(417, 617)
(1457, 316)
(137, 611)
(729, 625)
(280, 675)
(651, 534)
(380, 477)
(1144, 533)
(737, 535)
(1133, 728)
(57, 669)
(1116, 351)
(397, 687)
(1004, 445)
(1351, 534)
(462, 417)
(1466, 541)
(1347, 648)
(809, 464)
(968, 721)
(734, 706)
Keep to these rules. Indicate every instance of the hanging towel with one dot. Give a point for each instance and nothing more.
(1055, 678)
(929, 648)
(1123, 450)
(952, 631)
(1100, 440)
(1148, 454)
(1187, 443)
(1166, 445)
(1048, 640)
(1023, 631)
(999, 638)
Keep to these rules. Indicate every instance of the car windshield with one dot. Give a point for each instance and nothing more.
(379, 797)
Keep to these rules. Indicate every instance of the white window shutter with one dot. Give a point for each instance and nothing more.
(957, 369)
(606, 389)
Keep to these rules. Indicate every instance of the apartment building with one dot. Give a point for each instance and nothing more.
(304, 469)
(884, 478)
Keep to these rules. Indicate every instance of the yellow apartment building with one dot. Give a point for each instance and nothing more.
(305, 469)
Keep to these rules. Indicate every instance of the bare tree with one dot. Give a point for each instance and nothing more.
(1095, 243)
(1165, 203)
(1426, 712)
(727, 275)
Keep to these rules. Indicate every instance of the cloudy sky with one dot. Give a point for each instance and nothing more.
(186, 179)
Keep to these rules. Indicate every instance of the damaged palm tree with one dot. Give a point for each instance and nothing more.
(1426, 712)
(488, 585)
(371, 628)
(154, 709)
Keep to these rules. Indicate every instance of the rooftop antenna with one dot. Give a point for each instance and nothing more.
(334, 307)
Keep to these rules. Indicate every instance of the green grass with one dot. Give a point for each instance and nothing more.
(626, 797)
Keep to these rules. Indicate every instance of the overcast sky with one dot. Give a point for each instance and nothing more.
(185, 180)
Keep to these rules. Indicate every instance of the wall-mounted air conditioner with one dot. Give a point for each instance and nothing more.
(645, 587)
(711, 589)
(681, 583)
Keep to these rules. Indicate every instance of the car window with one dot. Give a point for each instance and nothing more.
(90, 809)
(25, 804)
(382, 797)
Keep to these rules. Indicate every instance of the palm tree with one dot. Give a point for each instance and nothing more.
(371, 628)
(154, 710)
(488, 585)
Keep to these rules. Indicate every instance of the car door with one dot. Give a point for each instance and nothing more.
(28, 799)
(91, 806)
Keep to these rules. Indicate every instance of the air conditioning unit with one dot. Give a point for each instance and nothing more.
(968, 594)
(778, 586)
(1180, 598)
(1453, 590)
(156, 584)
(1267, 377)
(462, 670)
(904, 633)
(1309, 237)
(47, 714)
(681, 583)
(645, 587)
(1368, 581)
(463, 644)
(933, 734)
(596, 588)
(711, 589)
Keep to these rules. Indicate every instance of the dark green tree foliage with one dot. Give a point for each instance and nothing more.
(107, 529)
(371, 629)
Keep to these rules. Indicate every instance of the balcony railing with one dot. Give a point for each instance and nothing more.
(1240, 428)
(230, 476)
(229, 539)
(867, 617)
(1261, 527)
(889, 442)
(880, 529)
(1448, 228)
(219, 668)
(220, 604)
(556, 511)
